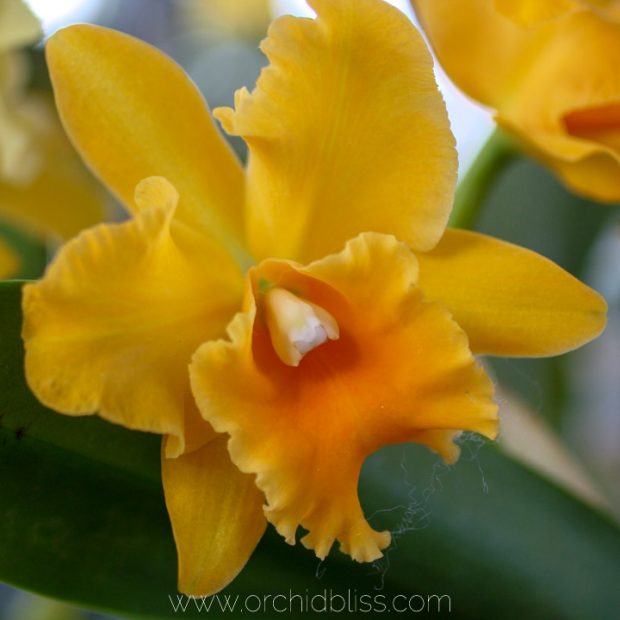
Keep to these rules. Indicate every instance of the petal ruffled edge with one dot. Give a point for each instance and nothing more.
(337, 412)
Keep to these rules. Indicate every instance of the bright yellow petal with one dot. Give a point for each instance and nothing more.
(18, 25)
(400, 371)
(113, 324)
(9, 263)
(133, 113)
(347, 133)
(216, 514)
(509, 300)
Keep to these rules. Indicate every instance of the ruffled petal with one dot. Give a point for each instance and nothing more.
(133, 113)
(509, 300)
(216, 514)
(113, 324)
(400, 371)
(347, 133)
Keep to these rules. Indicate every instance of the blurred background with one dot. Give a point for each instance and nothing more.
(560, 417)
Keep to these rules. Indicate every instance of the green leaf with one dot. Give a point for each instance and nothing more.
(83, 520)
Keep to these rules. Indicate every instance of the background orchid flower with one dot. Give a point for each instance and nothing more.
(43, 185)
(246, 19)
(529, 12)
(321, 305)
(549, 70)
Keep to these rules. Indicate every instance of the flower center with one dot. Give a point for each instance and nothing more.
(296, 326)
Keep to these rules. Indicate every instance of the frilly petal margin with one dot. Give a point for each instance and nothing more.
(400, 371)
(112, 325)
(216, 514)
(347, 133)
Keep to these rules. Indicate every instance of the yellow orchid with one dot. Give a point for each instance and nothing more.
(550, 71)
(43, 186)
(243, 18)
(321, 306)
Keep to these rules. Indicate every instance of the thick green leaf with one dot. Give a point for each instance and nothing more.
(83, 519)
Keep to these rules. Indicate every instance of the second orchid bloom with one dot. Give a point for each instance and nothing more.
(550, 71)
(279, 324)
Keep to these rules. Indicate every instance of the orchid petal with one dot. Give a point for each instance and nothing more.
(216, 514)
(509, 300)
(347, 133)
(400, 371)
(133, 113)
(114, 322)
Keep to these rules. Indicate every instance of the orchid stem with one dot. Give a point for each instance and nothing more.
(473, 190)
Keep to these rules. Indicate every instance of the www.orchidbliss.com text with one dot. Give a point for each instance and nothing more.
(326, 601)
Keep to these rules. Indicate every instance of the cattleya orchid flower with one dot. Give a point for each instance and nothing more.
(44, 188)
(550, 71)
(320, 304)
(245, 19)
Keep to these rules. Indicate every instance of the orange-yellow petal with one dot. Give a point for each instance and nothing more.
(509, 300)
(574, 126)
(9, 263)
(133, 113)
(113, 324)
(400, 371)
(347, 133)
(510, 67)
(480, 50)
(216, 514)
(529, 12)
(532, 12)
